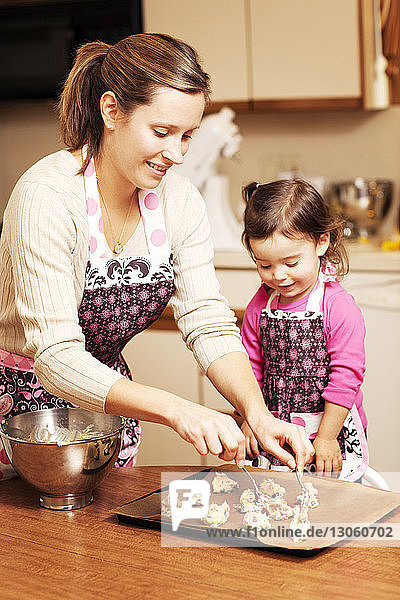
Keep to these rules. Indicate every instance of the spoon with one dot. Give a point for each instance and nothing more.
(253, 480)
(306, 496)
(299, 479)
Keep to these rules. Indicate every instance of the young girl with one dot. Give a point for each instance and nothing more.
(303, 332)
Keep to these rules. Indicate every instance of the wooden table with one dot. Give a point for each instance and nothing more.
(87, 554)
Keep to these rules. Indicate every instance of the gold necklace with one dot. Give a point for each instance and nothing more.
(118, 246)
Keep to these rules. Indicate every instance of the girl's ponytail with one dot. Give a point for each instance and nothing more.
(248, 190)
(249, 225)
(79, 106)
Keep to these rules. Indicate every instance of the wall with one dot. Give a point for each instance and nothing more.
(338, 145)
(28, 131)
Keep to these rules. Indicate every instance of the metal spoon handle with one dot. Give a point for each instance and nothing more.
(306, 493)
(252, 479)
(299, 479)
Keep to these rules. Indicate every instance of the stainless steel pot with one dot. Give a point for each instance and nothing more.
(363, 203)
(64, 473)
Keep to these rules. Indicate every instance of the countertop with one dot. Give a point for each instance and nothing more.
(88, 554)
(362, 257)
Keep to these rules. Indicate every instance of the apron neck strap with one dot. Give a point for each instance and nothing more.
(314, 301)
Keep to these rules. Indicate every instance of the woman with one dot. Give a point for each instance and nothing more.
(90, 257)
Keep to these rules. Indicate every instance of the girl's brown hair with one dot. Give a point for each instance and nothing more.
(133, 69)
(293, 207)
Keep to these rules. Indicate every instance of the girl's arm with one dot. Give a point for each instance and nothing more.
(328, 457)
(251, 333)
(345, 331)
(332, 421)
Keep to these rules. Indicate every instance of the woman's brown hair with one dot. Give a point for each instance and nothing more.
(133, 69)
(293, 207)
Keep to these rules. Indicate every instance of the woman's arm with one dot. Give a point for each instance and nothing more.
(43, 237)
(208, 430)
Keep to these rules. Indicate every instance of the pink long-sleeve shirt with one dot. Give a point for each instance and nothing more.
(344, 331)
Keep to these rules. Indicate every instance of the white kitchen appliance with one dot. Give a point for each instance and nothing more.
(217, 136)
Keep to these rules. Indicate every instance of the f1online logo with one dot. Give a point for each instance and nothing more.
(189, 499)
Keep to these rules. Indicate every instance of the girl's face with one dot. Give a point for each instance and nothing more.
(153, 138)
(289, 265)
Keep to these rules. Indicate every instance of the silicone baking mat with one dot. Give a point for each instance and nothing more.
(340, 503)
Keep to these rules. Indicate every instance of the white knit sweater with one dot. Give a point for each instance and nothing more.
(44, 249)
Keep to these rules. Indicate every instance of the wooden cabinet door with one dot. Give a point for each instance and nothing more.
(160, 359)
(377, 295)
(305, 49)
(217, 30)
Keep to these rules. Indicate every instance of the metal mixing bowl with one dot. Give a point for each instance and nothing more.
(363, 203)
(64, 473)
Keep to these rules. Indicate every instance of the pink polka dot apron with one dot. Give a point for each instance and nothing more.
(123, 295)
(296, 371)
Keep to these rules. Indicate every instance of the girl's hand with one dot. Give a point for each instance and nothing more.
(211, 431)
(328, 458)
(252, 450)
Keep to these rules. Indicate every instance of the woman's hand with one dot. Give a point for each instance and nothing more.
(273, 435)
(252, 450)
(328, 457)
(210, 431)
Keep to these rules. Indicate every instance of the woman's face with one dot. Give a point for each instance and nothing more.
(156, 136)
(289, 265)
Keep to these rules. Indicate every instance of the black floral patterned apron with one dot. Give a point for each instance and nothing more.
(296, 371)
(123, 295)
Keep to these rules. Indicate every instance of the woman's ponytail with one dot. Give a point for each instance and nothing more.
(79, 106)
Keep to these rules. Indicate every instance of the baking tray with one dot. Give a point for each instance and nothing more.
(340, 502)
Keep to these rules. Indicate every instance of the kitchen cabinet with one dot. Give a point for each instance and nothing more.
(378, 296)
(277, 54)
(218, 32)
(305, 50)
(160, 359)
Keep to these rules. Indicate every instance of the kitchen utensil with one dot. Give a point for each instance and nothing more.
(306, 493)
(253, 481)
(299, 479)
(362, 203)
(64, 473)
(217, 136)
